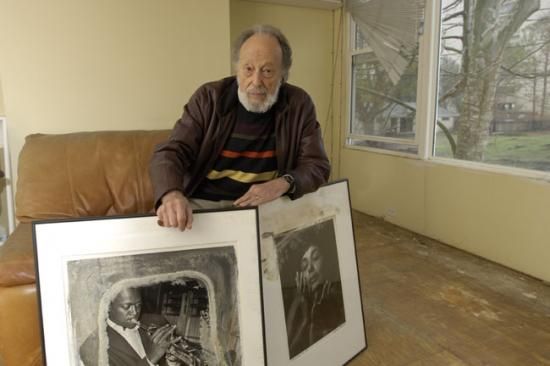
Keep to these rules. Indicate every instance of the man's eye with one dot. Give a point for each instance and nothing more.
(267, 72)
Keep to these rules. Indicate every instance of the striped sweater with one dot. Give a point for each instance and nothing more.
(248, 157)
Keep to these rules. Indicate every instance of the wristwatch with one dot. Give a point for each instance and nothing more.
(290, 180)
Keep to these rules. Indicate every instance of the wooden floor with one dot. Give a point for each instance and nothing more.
(428, 304)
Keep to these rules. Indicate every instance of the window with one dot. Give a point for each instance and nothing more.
(384, 73)
(493, 99)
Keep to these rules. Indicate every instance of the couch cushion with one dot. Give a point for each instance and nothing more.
(82, 174)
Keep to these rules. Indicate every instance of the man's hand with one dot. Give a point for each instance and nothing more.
(161, 341)
(263, 193)
(175, 211)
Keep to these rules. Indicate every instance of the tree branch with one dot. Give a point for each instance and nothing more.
(525, 76)
(452, 5)
(453, 37)
(458, 87)
(529, 54)
(455, 25)
(388, 97)
(453, 15)
(452, 49)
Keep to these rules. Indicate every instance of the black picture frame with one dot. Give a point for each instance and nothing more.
(312, 295)
(204, 282)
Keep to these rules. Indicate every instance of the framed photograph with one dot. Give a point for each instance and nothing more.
(121, 291)
(311, 286)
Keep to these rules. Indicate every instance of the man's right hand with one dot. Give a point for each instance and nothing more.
(175, 211)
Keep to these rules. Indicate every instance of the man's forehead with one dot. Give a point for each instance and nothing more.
(128, 296)
(261, 46)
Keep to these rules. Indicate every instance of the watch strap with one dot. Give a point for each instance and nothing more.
(291, 182)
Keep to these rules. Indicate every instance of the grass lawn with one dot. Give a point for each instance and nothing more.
(526, 150)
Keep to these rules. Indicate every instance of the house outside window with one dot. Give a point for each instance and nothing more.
(384, 73)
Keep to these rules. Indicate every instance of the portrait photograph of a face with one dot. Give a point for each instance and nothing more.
(312, 295)
(310, 283)
(104, 281)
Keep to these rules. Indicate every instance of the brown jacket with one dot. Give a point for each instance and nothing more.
(199, 135)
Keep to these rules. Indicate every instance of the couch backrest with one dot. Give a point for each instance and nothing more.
(83, 174)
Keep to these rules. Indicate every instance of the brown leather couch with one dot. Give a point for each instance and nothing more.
(81, 174)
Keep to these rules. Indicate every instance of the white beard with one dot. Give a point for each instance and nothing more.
(258, 107)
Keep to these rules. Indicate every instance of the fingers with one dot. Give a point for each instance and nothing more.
(160, 343)
(175, 211)
(326, 290)
(301, 283)
(176, 340)
(246, 200)
(184, 217)
(163, 334)
(262, 193)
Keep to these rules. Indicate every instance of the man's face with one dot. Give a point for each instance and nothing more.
(259, 72)
(126, 308)
(312, 267)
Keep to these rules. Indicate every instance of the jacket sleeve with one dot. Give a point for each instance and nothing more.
(172, 159)
(312, 167)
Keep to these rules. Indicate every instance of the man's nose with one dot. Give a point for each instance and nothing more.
(257, 78)
(133, 310)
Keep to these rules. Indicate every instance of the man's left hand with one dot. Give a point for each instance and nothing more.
(263, 193)
(160, 342)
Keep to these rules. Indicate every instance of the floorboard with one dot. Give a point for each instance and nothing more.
(426, 303)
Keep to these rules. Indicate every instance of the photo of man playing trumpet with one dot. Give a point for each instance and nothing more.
(136, 343)
(129, 342)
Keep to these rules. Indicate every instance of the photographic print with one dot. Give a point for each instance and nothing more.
(121, 291)
(311, 286)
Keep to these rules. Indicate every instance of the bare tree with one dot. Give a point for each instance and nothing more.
(488, 26)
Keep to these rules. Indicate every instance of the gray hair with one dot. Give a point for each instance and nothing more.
(268, 30)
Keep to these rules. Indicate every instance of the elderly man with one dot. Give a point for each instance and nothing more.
(243, 140)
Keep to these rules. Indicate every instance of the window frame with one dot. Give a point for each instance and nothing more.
(415, 142)
(426, 101)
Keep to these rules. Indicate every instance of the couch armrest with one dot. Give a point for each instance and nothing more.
(17, 258)
(20, 335)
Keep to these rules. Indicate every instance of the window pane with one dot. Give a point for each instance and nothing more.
(360, 42)
(493, 99)
(379, 107)
(402, 148)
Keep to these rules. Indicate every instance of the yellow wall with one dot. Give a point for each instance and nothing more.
(4, 220)
(92, 65)
(1, 100)
(501, 217)
(309, 32)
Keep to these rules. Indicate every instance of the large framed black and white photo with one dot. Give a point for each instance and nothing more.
(311, 287)
(103, 281)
